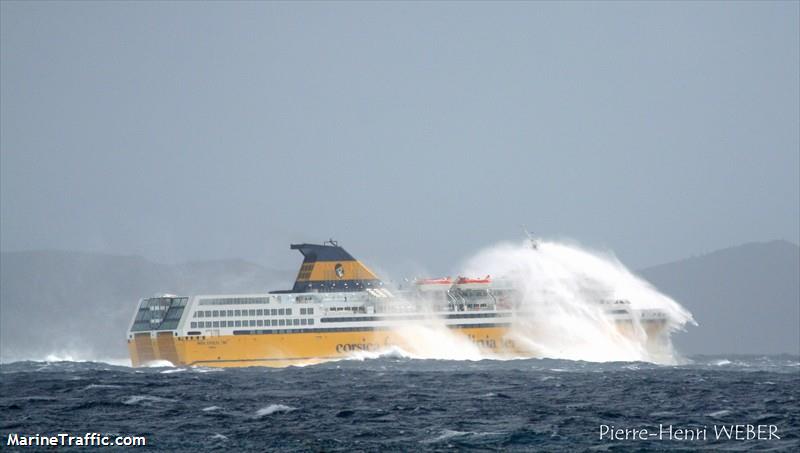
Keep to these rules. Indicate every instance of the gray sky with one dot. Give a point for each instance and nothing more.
(415, 133)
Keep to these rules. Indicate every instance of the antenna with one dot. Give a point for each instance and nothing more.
(331, 242)
(534, 242)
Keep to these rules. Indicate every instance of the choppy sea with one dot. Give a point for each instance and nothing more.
(400, 404)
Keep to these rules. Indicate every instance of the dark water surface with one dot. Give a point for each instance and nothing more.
(399, 404)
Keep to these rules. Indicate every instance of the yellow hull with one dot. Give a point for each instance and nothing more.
(280, 350)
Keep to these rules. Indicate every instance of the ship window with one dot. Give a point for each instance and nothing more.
(303, 322)
(273, 312)
(238, 324)
(230, 312)
(302, 311)
(230, 323)
(216, 313)
(281, 312)
(310, 311)
(297, 322)
(310, 322)
(252, 312)
(289, 311)
(208, 314)
(282, 322)
(259, 323)
(237, 313)
(252, 323)
(274, 322)
(222, 313)
(260, 312)
(216, 323)
(194, 325)
(198, 314)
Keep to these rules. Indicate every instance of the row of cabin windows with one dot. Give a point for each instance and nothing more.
(251, 312)
(251, 323)
(235, 301)
(354, 309)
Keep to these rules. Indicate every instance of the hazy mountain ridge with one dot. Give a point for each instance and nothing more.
(746, 299)
(40, 313)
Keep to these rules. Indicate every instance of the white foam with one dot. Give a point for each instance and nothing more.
(56, 357)
(200, 369)
(447, 434)
(561, 286)
(450, 434)
(433, 340)
(158, 364)
(101, 386)
(211, 408)
(274, 408)
(146, 399)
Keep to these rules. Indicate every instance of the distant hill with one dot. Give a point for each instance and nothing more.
(746, 298)
(81, 303)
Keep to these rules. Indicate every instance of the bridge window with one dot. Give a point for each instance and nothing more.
(274, 322)
(289, 312)
(237, 313)
(260, 312)
(215, 313)
(230, 313)
(281, 311)
(282, 322)
(297, 322)
(216, 323)
(259, 323)
(208, 313)
(273, 312)
(194, 325)
(222, 314)
(252, 312)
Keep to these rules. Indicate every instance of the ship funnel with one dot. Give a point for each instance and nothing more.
(329, 268)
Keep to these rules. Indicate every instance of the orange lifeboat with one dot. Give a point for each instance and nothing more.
(434, 281)
(465, 280)
(436, 285)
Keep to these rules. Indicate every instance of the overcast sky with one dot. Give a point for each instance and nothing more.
(415, 133)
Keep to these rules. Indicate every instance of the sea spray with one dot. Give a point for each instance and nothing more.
(564, 294)
(561, 287)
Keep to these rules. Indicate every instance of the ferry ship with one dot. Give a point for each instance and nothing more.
(337, 307)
